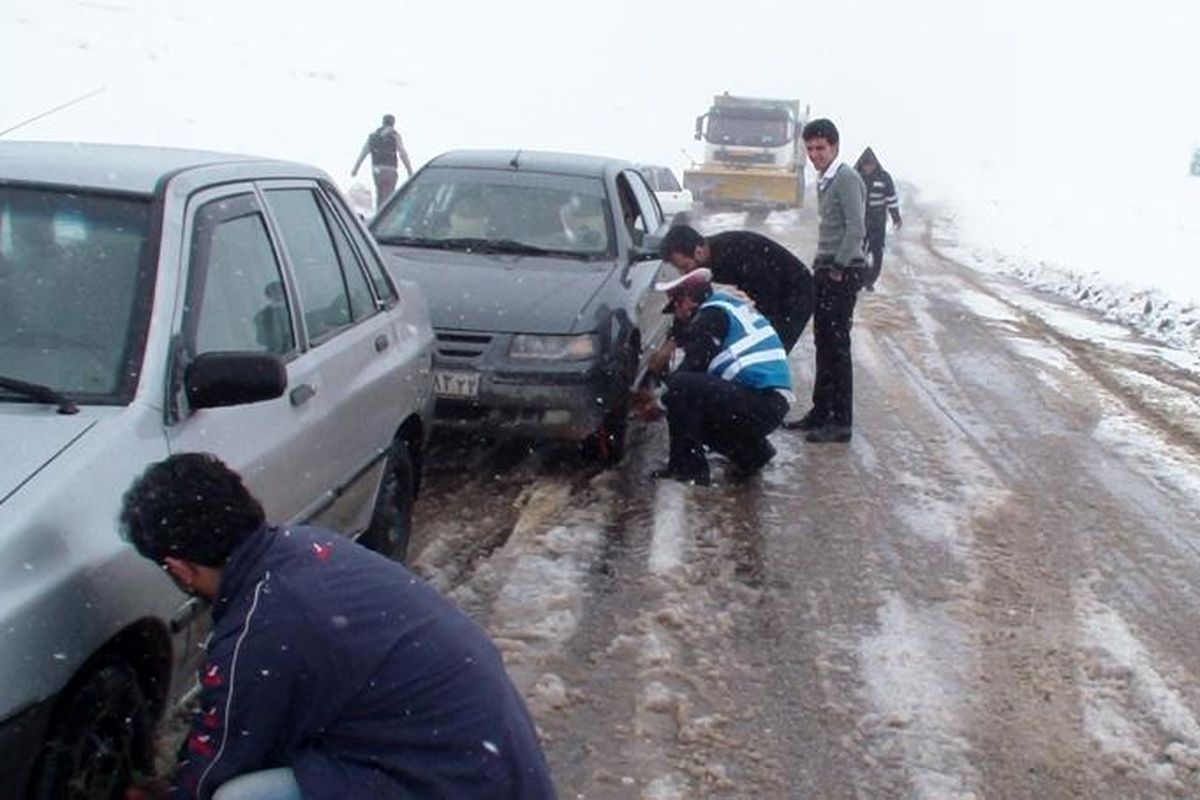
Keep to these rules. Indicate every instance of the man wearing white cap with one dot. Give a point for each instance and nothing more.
(732, 387)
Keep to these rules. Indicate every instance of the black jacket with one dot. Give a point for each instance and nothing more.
(881, 191)
(332, 660)
(779, 283)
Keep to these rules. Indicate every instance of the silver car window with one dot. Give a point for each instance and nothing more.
(362, 302)
(243, 306)
(314, 261)
(383, 287)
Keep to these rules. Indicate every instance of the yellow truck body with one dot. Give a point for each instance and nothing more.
(753, 155)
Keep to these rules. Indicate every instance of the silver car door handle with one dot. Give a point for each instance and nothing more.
(302, 394)
(381, 343)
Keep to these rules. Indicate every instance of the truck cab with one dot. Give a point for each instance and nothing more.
(753, 154)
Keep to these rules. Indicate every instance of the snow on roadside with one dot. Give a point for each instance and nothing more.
(1150, 312)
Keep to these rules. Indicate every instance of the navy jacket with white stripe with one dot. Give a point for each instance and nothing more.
(333, 660)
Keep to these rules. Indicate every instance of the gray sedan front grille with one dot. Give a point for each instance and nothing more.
(462, 347)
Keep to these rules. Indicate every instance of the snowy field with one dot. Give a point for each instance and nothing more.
(1077, 182)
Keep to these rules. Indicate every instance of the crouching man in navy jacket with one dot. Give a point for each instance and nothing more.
(732, 387)
(332, 672)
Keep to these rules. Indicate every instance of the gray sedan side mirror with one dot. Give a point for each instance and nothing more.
(219, 379)
(648, 248)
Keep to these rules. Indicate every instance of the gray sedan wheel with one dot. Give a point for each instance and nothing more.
(100, 738)
(391, 523)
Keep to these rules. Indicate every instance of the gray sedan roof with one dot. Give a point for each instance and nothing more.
(115, 167)
(533, 160)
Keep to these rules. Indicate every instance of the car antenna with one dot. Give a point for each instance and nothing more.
(515, 163)
(48, 112)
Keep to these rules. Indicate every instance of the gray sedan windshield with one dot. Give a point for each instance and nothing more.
(472, 209)
(69, 282)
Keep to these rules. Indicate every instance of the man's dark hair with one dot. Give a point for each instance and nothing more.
(699, 292)
(821, 129)
(681, 239)
(388, 119)
(189, 506)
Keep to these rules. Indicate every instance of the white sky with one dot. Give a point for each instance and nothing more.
(1064, 128)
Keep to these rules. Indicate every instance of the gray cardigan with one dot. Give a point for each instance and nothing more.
(841, 204)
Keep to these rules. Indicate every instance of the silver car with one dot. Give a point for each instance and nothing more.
(154, 301)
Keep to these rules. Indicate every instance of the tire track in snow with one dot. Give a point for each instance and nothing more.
(1135, 706)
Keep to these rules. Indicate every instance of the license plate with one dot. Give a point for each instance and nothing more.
(455, 384)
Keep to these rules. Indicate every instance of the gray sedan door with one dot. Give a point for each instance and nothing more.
(238, 299)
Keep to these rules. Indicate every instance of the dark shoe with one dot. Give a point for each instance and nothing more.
(805, 423)
(696, 479)
(740, 472)
(829, 433)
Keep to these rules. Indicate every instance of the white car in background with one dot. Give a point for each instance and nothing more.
(674, 199)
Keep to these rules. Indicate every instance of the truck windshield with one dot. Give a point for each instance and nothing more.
(467, 208)
(744, 130)
(70, 278)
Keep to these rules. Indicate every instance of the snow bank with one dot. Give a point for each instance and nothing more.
(1152, 312)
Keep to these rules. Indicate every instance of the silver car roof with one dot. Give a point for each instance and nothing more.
(136, 169)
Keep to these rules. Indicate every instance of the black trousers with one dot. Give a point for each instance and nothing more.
(793, 319)
(833, 385)
(728, 417)
(873, 245)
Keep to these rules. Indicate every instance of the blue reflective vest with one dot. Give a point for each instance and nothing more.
(751, 353)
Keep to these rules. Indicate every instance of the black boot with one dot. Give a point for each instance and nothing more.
(696, 478)
(829, 433)
(742, 471)
(806, 423)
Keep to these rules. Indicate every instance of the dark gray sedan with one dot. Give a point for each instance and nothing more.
(539, 269)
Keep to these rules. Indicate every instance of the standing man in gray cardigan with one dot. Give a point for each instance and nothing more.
(838, 272)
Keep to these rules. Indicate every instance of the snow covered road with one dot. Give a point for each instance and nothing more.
(990, 592)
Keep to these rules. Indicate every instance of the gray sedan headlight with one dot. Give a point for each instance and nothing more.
(553, 348)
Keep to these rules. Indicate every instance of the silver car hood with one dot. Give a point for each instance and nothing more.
(31, 436)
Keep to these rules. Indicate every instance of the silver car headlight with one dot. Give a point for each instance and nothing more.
(553, 348)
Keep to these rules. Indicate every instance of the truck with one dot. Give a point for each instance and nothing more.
(753, 155)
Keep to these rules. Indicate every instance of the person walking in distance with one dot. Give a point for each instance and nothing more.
(837, 275)
(882, 201)
(331, 671)
(386, 149)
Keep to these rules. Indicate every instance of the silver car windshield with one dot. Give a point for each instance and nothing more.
(70, 265)
(499, 211)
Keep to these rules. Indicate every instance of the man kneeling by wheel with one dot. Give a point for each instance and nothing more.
(732, 387)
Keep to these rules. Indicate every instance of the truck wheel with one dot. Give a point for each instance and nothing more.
(103, 734)
(391, 522)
